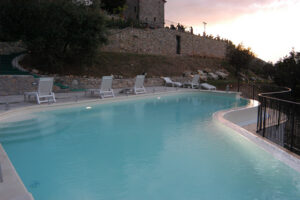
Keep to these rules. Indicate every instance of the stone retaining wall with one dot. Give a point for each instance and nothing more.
(87, 83)
(7, 48)
(163, 42)
(17, 85)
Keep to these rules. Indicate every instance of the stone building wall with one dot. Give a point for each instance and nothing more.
(132, 9)
(16, 85)
(151, 12)
(163, 42)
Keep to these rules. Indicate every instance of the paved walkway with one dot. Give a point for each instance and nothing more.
(17, 101)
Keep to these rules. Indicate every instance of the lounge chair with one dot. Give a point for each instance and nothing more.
(194, 83)
(44, 93)
(105, 88)
(207, 86)
(139, 85)
(168, 81)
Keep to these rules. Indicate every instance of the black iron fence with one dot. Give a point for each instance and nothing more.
(279, 119)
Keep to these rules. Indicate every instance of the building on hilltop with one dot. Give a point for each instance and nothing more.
(151, 12)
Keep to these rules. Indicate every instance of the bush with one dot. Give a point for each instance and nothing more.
(57, 31)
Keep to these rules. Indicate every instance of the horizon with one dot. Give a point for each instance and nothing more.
(257, 24)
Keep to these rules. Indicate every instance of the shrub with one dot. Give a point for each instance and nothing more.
(113, 6)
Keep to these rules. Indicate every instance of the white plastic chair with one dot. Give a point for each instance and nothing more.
(44, 93)
(105, 88)
(208, 86)
(168, 81)
(194, 83)
(139, 85)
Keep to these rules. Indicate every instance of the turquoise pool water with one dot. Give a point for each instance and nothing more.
(156, 149)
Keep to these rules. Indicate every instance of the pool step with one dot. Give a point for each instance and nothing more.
(31, 130)
(18, 125)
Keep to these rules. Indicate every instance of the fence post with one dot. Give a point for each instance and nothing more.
(293, 127)
(258, 125)
(279, 113)
(264, 121)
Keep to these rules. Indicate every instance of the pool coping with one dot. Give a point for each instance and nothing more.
(11, 187)
(12, 181)
(287, 157)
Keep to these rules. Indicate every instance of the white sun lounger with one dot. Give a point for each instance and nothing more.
(139, 85)
(44, 93)
(207, 86)
(105, 88)
(194, 83)
(168, 81)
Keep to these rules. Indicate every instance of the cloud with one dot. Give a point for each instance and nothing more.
(193, 12)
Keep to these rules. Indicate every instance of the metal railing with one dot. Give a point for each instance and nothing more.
(278, 119)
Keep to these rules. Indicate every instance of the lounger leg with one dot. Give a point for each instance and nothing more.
(53, 96)
(37, 99)
(112, 92)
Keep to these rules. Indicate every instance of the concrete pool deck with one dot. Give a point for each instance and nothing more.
(8, 103)
(12, 187)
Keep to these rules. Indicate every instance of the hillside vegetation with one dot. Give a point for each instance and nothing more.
(129, 65)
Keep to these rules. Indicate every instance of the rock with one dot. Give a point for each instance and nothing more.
(207, 70)
(213, 76)
(35, 71)
(201, 72)
(187, 73)
(75, 82)
(222, 75)
(203, 77)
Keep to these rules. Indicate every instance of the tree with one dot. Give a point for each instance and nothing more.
(239, 57)
(287, 72)
(55, 31)
(113, 6)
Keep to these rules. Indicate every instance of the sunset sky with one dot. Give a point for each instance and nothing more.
(271, 28)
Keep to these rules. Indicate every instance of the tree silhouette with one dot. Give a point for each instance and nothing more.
(287, 71)
(113, 6)
(239, 57)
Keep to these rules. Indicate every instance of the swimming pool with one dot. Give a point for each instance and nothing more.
(154, 148)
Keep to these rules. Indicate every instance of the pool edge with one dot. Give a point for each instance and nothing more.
(287, 157)
(12, 185)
